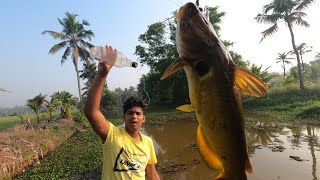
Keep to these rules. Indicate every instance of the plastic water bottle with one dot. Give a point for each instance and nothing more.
(100, 53)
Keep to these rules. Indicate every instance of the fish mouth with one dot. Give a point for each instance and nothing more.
(194, 32)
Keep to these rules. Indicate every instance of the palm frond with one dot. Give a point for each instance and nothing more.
(299, 21)
(55, 48)
(304, 4)
(55, 35)
(62, 23)
(85, 22)
(65, 55)
(86, 44)
(268, 32)
(268, 19)
(271, 76)
(297, 14)
(83, 53)
(85, 34)
(267, 8)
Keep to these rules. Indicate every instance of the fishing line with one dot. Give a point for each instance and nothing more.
(147, 100)
(176, 3)
(144, 89)
(143, 79)
(139, 70)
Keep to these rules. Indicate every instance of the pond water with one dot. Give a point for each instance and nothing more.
(285, 154)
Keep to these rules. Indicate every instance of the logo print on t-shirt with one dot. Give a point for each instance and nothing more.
(126, 161)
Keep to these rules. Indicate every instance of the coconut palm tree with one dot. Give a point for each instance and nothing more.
(51, 106)
(36, 103)
(65, 100)
(284, 59)
(289, 11)
(263, 74)
(73, 38)
(303, 48)
(89, 72)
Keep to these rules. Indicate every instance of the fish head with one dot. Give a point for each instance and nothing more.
(201, 53)
(204, 58)
(195, 36)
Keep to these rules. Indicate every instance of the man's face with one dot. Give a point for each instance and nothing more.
(133, 119)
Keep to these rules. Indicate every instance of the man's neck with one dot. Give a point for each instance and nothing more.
(135, 134)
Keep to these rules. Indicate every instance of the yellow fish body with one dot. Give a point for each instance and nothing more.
(213, 81)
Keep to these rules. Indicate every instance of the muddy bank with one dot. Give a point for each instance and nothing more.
(21, 147)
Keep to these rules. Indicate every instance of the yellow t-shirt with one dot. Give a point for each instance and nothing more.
(124, 157)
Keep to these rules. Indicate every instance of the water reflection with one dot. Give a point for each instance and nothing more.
(270, 151)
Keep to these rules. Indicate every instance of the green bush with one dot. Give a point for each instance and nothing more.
(82, 120)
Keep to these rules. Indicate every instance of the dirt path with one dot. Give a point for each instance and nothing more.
(22, 146)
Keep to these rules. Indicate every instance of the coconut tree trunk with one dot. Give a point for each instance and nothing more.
(302, 63)
(297, 54)
(284, 69)
(38, 118)
(75, 62)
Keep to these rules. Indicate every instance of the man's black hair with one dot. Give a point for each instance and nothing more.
(133, 102)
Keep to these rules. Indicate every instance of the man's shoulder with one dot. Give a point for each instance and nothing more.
(147, 138)
(115, 129)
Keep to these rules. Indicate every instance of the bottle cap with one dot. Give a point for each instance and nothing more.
(134, 64)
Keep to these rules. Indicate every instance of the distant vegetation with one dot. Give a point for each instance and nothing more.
(157, 50)
(286, 102)
(286, 105)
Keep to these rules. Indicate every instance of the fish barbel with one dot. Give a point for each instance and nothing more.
(214, 82)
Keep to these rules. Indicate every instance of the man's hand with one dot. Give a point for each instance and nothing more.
(111, 56)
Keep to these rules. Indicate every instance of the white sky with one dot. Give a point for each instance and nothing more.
(27, 69)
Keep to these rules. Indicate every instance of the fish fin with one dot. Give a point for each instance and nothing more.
(173, 67)
(249, 83)
(208, 154)
(248, 166)
(221, 176)
(186, 108)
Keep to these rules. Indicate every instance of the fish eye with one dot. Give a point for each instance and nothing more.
(183, 25)
(202, 68)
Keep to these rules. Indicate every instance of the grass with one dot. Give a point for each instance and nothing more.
(10, 121)
(21, 147)
(285, 105)
(81, 154)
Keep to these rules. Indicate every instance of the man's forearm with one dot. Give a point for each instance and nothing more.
(92, 108)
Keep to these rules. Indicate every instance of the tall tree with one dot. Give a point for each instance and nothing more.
(289, 11)
(317, 57)
(36, 103)
(303, 48)
(51, 106)
(284, 59)
(73, 36)
(65, 100)
(158, 50)
(262, 73)
(89, 73)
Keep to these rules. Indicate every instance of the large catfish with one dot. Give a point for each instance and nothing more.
(214, 82)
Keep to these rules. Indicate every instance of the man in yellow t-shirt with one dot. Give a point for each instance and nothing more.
(127, 154)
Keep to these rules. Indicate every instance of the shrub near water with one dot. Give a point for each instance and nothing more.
(286, 105)
(82, 153)
(79, 158)
(21, 147)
